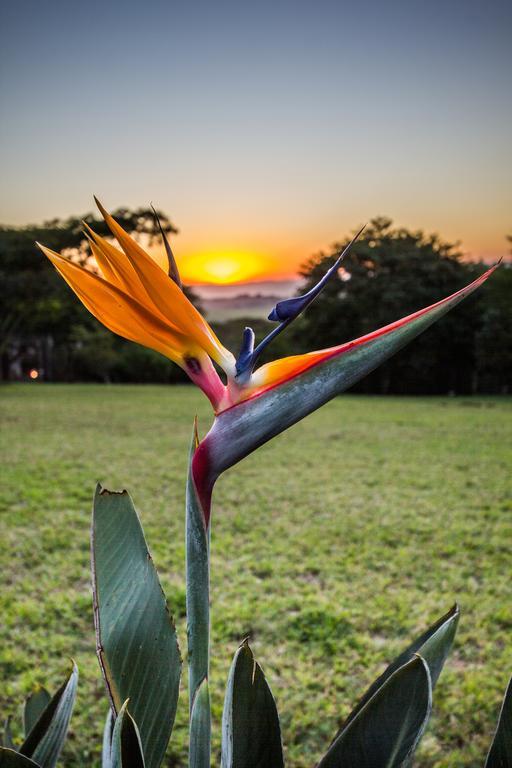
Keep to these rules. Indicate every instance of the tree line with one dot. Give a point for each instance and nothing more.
(390, 272)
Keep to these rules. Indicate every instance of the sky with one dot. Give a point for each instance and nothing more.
(265, 130)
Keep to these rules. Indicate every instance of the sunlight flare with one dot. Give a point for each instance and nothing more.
(222, 267)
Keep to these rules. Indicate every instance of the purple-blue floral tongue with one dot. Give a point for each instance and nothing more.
(284, 313)
(289, 309)
(246, 350)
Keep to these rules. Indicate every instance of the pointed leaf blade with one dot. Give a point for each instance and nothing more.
(106, 747)
(387, 730)
(7, 735)
(433, 646)
(200, 728)
(500, 753)
(137, 644)
(35, 705)
(11, 759)
(46, 738)
(126, 743)
(251, 734)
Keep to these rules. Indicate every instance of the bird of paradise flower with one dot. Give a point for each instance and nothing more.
(134, 297)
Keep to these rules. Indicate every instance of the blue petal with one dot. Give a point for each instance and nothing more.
(289, 309)
(246, 351)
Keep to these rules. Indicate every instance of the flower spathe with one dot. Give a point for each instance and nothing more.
(133, 296)
(285, 391)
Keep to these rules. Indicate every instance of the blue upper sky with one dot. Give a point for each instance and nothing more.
(262, 128)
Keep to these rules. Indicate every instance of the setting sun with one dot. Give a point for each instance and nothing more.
(223, 269)
(224, 266)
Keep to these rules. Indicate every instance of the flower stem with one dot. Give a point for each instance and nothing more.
(198, 619)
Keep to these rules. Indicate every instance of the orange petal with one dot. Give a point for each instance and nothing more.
(121, 313)
(278, 371)
(103, 263)
(166, 295)
(124, 275)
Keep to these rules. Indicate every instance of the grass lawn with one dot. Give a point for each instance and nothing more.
(332, 547)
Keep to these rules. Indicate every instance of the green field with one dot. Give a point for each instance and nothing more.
(332, 546)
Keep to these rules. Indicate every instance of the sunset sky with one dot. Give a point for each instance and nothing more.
(265, 130)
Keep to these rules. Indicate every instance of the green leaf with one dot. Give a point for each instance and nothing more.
(200, 728)
(251, 735)
(46, 739)
(198, 585)
(126, 744)
(35, 705)
(500, 753)
(11, 759)
(387, 729)
(106, 746)
(433, 646)
(137, 645)
(7, 735)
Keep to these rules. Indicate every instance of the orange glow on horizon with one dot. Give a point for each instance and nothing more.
(247, 264)
(225, 267)
(221, 268)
